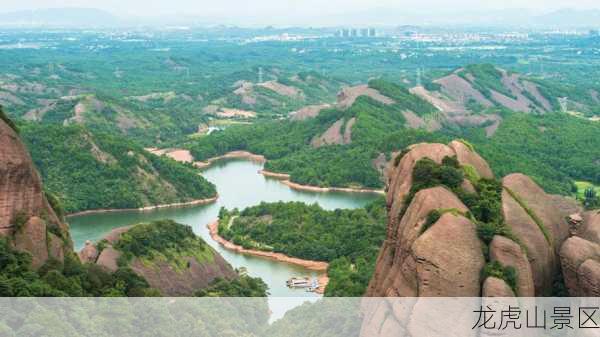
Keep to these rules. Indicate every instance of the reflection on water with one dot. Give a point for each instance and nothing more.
(239, 185)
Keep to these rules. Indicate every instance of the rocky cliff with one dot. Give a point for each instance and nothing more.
(440, 238)
(26, 217)
(580, 257)
(479, 237)
(179, 266)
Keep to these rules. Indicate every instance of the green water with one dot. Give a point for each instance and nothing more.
(239, 185)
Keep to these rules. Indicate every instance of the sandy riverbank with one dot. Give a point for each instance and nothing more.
(285, 179)
(318, 266)
(185, 156)
(147, 208)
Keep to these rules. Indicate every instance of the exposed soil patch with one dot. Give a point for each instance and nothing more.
(444, 104)
(282, 89)
(348, 96)
(233, 113)
(179, 155)
(461, 90)
(306, 112)
(332, 136)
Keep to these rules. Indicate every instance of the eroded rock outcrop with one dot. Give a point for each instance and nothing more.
(580, 258)
(509, 253)
(172, 273)
(26, 218)
(450, 252)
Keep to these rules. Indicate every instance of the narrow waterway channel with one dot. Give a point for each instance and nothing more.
(239, 185)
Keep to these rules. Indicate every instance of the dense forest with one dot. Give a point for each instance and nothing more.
(96, 171)
(287, 144)
(546, 147)
(554, 149)
(348, 239)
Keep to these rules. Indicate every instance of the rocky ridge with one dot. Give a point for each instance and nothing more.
(437, 246)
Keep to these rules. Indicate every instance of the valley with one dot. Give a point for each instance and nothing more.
(287, 147)
(239, 186)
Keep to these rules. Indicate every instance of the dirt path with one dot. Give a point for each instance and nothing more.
(318, 266)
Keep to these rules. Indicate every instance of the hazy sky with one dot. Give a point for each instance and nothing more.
(260, 8)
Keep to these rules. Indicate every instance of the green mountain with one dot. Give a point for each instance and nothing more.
(89, 170)
(348, 144)
(348, 239)
(158, 106)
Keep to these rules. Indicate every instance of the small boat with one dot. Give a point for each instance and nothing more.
(299, 282)
(310, 284)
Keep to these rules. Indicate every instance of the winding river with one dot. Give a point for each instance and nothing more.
(239, 185)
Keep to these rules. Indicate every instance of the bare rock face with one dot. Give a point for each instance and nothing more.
(401, 176)
(495, 287)
(466, 156)
(395, 275)
(589, 278)
(509, 253)
(536, 219)
(591, 226)
(446, 266)
(580, 260)
(539, 251)
(25, 214)
(161, 274)
(89, 253)
(543, 205)
(539, 221)
(108, 259)
(32, 238)
(172, 282)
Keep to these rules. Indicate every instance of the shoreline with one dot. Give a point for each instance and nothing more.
(285, 179)
(147, 208)
(231, 155)
(318, 266)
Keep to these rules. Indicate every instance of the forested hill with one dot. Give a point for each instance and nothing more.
(348, 239)
(97, 171)
(346, 146)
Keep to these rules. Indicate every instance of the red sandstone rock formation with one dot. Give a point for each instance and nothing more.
(26, 217)
(447, 258)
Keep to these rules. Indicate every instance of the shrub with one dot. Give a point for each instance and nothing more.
(496, 269)
(19, 220)
(7, 120)
(432, 218)
(400, 156)
(56, 205)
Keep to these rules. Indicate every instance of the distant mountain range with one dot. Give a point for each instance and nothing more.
(90, 17)
(60, 17)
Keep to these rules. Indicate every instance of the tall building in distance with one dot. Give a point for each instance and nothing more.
(356, 32)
